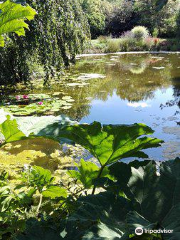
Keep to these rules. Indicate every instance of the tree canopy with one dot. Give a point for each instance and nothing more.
(57, 34)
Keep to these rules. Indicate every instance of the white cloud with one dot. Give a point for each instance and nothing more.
(138, 104)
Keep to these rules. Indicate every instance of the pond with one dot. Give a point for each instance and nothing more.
(137, 88)
(111, 89)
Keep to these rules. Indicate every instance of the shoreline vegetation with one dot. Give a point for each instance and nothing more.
(119, 45)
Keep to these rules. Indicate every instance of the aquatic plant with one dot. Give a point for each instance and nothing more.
(37, 104)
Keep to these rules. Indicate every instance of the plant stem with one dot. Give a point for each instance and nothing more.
(99, 175)
(40, 202)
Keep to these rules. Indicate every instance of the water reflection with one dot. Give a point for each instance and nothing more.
(124, 89)
(137, 88)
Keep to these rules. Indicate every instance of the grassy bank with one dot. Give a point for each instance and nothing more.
(109, 45)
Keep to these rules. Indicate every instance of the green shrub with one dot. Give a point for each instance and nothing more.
(113, 45)
(103, 39)
(140, 33)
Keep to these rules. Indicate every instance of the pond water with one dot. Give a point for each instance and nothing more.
(137, 88)
(114, 89)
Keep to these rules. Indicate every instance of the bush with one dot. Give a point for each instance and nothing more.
(127, 41)
(113, 45)
(140, 33)
(103, 39)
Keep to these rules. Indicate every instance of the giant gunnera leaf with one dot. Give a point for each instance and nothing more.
(12, 18)
(110, 143)
(99, 217)
(152, 202)
(155, 197)
(10, 131)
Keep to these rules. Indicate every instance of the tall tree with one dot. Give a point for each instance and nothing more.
(95, 15)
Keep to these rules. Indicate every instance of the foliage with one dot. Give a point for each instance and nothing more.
(113, 45)
(127, 43)
(36, 104)
(121, 18)
(10, 131)
(18, 203)
(134, 194)
(150, 201)
(87, 173)
(111, 143)
(123, 15)
(57, 34)
(12, 18)
(160, 18)
(149, 204)
(41, 179)
(140, 33)
(95, 15)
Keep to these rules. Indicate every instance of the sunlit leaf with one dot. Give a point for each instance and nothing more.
(10, 131)
(87, 172)
(110, 143)
(12, 18)
(55, 192)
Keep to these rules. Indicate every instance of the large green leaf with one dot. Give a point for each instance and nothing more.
(44, 126)
(87, 172)
(15, 129)
(152, 203)
(12, 18)
(100, 216)
(36, 230)
(110, 143)
(156, 199)
(10, 131)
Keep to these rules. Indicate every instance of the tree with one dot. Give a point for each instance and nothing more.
(162, 20)
(121, 18)
(57, 34)
(95, 15)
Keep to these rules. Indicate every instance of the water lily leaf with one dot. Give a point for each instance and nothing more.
(66, 97)
(73, 84)
(88, 76)
(110, 143)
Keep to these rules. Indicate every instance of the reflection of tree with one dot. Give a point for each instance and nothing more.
(78, 112)
(176, 95)
(133, 78)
